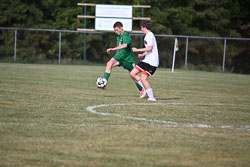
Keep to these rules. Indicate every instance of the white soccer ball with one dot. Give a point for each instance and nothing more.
(101, 82)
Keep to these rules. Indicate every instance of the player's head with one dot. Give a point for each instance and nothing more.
(117, 24)
(145, 25)
(118, 28)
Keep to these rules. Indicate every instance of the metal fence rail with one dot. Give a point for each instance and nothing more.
(225, 39)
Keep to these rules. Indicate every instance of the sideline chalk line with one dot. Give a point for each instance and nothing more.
(50, 124)
(92, 109)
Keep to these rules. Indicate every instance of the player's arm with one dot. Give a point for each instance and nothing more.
(141, 55)
(122, 46)
(147, 49)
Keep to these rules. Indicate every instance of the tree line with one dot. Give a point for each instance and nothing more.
(219, 18)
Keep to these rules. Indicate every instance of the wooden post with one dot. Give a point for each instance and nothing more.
(15, 45)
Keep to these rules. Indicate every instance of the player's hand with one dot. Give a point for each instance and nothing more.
(109, 50)
(134, 49)
(140, 56)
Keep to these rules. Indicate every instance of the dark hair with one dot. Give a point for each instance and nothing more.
(146, 23)
(117, 24)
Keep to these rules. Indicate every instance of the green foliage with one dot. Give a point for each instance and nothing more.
(227, 18)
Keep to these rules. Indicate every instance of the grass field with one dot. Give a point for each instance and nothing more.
(200, 119)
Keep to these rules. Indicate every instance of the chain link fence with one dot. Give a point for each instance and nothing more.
(25, 45)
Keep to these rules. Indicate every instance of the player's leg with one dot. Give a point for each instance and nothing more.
(111, 63)
(114, 61)
(137, 79)
(130, 67)
(147, 70)
(134, 75)
(144, 79)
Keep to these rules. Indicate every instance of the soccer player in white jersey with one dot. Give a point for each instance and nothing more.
(149, 64)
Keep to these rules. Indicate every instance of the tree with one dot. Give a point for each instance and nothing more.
(226, 18)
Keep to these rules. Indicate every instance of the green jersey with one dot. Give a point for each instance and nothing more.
(125, 54)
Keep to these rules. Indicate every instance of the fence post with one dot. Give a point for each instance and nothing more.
(224, 55)
(15, 45)
(142, 15)
(186, 54)
(84, 35)
(59, 56)
(173, 61)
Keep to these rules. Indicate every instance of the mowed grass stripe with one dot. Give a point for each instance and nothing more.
(40, 104)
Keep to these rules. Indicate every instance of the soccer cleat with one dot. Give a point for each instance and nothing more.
(143, 93)
(151, 99)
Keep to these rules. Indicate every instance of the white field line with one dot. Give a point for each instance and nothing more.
(92, 109)
(51, 124)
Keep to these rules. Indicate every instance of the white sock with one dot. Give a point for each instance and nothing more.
(140, 83)
(150, 93)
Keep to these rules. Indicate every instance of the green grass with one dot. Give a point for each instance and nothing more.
(44, 121)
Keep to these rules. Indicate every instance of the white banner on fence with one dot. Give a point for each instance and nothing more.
(107, 15)
(121, 11)
(106, 24)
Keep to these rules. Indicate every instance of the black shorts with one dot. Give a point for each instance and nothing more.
(146, 68)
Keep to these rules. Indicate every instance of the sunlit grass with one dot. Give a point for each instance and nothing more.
(44, 121)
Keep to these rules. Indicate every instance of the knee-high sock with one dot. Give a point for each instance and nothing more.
(106, 75)
(150, 93)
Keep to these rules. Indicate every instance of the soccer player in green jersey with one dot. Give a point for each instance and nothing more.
(124, 56)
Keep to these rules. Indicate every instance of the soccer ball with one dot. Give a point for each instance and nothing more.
(101, 82)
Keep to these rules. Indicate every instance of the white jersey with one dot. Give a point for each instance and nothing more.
(151, 57)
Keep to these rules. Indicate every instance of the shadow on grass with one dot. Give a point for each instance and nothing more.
(167, 99)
